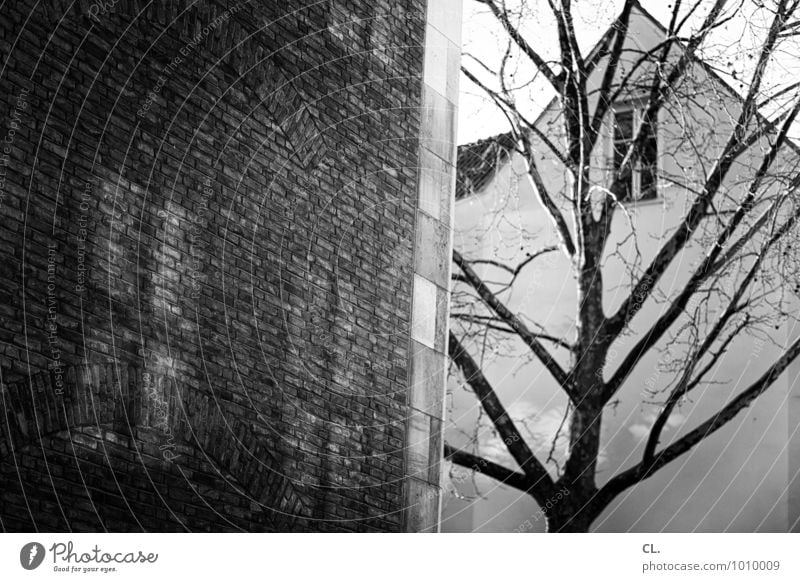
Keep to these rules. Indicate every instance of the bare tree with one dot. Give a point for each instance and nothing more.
(741, 209)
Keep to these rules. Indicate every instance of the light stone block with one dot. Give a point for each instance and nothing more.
(422, 506)
(427, 380)
(437, 130)
(442, 322)
(436, 52)
(453, 72)
(432, 257)
(445, 16)
(418, 445)
(436, 186)
(423, 318)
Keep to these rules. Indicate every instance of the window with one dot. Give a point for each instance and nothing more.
(643, 181)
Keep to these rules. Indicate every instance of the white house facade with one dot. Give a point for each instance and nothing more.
(744, 477)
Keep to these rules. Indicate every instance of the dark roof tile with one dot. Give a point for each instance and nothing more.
(479, 161)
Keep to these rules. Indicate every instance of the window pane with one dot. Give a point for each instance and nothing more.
(648, 162)
(624, 126)
(623, 135)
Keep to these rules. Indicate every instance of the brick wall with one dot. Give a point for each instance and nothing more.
(207, 225)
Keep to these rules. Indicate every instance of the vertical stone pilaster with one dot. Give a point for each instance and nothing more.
(432, 265)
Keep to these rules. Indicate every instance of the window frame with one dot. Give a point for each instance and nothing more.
(637, 108)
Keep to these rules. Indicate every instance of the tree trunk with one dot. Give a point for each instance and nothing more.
(569, 517)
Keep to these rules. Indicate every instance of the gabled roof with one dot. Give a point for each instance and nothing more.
(480, 160)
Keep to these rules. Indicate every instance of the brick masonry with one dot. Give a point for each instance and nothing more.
(220, 224)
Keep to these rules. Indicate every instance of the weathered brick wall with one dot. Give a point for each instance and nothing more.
(207, 229)
(66, 484)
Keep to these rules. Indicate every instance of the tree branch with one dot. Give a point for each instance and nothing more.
(685, 384)
(736, 144)
(658, 94)
(562, 230)
(645, 286)
(541, 482)
(603, 102)
(518, 269)
(513, 322)
(489, 322)
(488, 468)
(536, 59)
(642, 471)
(503, 102)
